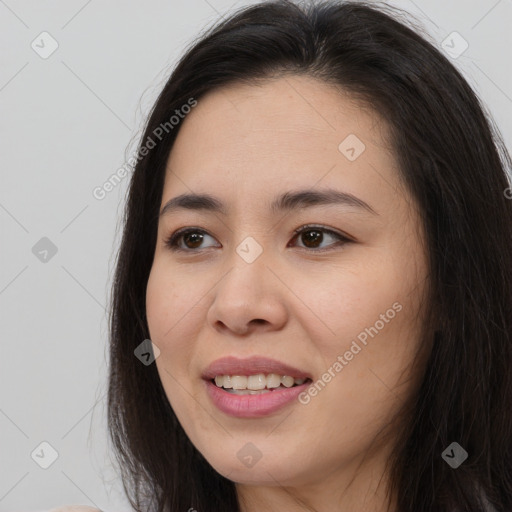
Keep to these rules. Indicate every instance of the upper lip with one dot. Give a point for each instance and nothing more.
(251, 366)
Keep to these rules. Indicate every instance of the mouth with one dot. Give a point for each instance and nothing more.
(254, 387)
(257, 384)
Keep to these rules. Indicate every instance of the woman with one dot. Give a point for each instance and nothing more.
(317, 242)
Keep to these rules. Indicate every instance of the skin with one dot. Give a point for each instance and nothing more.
(245, 145)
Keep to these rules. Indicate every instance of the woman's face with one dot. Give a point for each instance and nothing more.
(339, 303)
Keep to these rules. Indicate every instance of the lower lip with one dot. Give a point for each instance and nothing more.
(253, 406)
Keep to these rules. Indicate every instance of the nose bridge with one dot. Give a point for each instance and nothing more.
(254, 252)
(249, 261)
(251, 232)
(248, 291)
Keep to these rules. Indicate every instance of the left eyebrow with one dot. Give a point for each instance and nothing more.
(288, 201)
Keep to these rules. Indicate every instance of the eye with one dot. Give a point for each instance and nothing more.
(315, 235)
(193, 237)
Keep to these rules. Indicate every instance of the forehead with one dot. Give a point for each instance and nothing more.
(287, 133)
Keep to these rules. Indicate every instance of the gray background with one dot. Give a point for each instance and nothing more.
(68, 122)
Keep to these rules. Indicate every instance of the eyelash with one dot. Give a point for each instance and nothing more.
(172, 241)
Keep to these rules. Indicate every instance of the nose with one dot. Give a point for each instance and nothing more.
(249, 297)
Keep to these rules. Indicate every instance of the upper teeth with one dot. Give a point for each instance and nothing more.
(255, 382)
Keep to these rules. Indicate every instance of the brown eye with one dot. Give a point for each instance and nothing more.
(312, 236)
(192, 239)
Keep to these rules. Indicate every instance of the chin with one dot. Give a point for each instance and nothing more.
(268, 470)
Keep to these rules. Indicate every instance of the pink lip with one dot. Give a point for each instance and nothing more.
(251, 366)
(252, 406)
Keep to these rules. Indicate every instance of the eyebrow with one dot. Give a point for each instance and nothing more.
(288, 201)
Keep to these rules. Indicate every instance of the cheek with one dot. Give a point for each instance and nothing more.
(363, 381)
(369, 317)
(170, 316)
(160, 300)
(343, 303)
(170, 303)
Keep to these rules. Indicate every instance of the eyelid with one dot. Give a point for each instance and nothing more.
(342, 237)
(326, 229)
